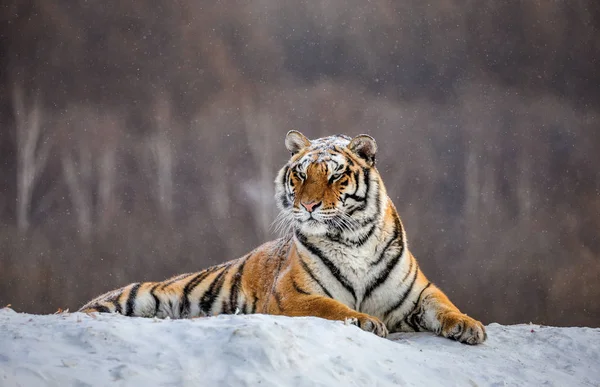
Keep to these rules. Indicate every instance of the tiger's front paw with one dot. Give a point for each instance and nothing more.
(370, 324)
(463, 328)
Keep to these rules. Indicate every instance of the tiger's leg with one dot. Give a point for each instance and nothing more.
(435, 312)
(299, 302)
(327, 308)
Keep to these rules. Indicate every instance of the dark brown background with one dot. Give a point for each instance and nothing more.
(139, 139)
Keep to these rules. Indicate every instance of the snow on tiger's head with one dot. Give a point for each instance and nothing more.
(329, 184)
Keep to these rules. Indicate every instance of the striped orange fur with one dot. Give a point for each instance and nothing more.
(343, 256)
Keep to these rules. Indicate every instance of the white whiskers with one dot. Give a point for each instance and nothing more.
(340, 220)
(284, 223)
(287, 220)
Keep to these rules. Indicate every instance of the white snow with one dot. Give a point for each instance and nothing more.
(99, 350)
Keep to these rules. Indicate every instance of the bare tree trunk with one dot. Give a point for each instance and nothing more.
(78, 176)
(473, 184)
(106, 187)
(260, 131)
(524, 187)
(162, 155)
(32, 153)
(160, 167)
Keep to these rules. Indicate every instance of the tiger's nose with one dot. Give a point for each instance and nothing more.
(310, 206)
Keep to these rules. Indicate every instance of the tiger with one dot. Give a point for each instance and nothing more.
(342, 256)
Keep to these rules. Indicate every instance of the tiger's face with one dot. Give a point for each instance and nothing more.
(328, 183)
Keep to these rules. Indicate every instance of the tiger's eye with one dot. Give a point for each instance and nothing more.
(336, 176)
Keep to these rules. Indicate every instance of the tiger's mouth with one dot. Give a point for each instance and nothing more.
(311, 221)
(311, 218)
(327, 221)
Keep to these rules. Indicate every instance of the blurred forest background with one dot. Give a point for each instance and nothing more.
(139, 139)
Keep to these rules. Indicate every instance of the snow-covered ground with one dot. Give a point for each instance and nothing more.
(258, 350)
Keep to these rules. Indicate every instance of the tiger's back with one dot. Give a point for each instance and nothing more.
(241, 286)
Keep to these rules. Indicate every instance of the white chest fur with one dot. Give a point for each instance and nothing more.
(347, 272)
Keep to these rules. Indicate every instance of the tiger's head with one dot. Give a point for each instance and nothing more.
(329, 185)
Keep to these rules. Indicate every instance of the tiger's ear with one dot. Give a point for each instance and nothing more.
(295, 141)
(365, 147)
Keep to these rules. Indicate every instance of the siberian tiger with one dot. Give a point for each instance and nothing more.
(344, 257)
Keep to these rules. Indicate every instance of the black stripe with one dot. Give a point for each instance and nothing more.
(371, 219)
(284, 200)
(235, 287)
(310, 273)
(346, 154)
(117, 304)
(420, 294)
(405, 295)
(184, 304)
(363, 201)
(362, 223)
(412, 322)
(357, 184)
(361, 241)
(285, 175)
(414, 317)
(254, 302)
(130, 305)
(209, 297)
(332, 268)
(298, 288)
(277, 299)
(336, 237)
(101, 309)
(335, 170)
(156, 300)
(356, 198)
(225, 307)
(384, 275)
(377, 214)
(397, 234)
(377, 193)
(275, 292)
(284, 196)
(350, 242)
(175, 279)
(378, 202)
